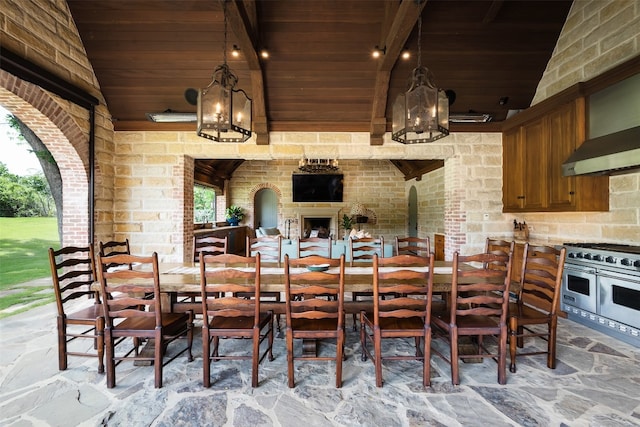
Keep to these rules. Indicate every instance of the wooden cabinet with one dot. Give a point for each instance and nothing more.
(236, 237)
(533, 153)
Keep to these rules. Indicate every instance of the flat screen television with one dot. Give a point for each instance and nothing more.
(315, 187)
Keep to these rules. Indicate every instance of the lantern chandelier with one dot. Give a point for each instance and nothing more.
(422, 113)
(224, 112)
(318, 165)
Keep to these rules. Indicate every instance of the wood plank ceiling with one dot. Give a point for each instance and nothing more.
(320, 75)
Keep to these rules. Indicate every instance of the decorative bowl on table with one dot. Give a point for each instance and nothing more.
(318, 267)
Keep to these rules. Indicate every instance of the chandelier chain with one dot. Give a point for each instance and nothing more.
(420, 41)
(224, 47)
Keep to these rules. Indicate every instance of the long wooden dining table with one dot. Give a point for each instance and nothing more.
(183, 278)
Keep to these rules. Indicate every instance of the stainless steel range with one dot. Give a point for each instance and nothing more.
(601, 288)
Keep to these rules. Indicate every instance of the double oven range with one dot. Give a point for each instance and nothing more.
(601, 288)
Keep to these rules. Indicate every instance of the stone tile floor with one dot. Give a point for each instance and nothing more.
(596, 383)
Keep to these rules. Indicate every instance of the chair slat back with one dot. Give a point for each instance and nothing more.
(542, 277)
(410, 278)
(114, 247)
(269, 247)
(126, 293)
(73, 271)
(364, 249)
(480, 291)
(210, 245)
(498, 247)
(222, 277)
(314, 294)
(413, 246)
(314, 246)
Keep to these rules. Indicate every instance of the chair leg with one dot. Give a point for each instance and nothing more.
(455, 373)
(189, 341)
(206, 358)
(502, 356)
(513, 339)
(289, 334)
(426, 364)
(157, 356)
(255, 357)
(270, 340)
(62, 343)
(110, 362)
(363, 339)
(339, 358)
(100, 343)
(551, 345)
(377, 343)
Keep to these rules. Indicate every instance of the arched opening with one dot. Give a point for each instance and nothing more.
(66, 142)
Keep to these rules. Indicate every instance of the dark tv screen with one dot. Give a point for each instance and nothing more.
(317, 187)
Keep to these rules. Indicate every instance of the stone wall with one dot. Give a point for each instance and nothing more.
(597, 36)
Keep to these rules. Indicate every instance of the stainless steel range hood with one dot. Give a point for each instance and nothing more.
(611, 154)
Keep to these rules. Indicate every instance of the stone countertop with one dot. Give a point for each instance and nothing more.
(537, 241)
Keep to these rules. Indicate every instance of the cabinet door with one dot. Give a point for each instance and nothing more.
(536, 181)
(512, 171)
(562, 142)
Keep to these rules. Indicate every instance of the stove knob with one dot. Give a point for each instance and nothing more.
(597, 257)
(636, 263)
(587, 256)
(610, 260)
(579, 255)
(571, 255)
(625, 261)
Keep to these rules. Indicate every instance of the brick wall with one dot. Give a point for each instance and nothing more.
(43, 32)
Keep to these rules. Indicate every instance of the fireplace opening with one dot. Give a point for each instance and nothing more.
(317, 227)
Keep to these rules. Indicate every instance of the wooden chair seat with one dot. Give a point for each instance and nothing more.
(538, 301)
(226, 314)
(171, 323)
(141, 317)
(73, 271)
(477, 308)
(408, 315)
(314, 304)
(239, 323)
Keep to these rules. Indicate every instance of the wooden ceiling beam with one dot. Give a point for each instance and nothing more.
(403, 23)
(242, 27)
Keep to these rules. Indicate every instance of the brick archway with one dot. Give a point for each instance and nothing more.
(52, 122)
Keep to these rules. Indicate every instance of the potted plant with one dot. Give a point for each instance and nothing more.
(234, 215)
(347, 224)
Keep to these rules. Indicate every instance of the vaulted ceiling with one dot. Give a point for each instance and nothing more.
(320, 74)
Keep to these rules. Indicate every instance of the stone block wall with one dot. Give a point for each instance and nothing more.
(597, 36)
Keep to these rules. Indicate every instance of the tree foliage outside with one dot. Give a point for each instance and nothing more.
(24, 196)
(204, 204)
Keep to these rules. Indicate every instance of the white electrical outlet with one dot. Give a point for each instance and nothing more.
(485, 216)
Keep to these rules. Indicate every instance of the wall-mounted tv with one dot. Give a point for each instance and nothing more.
(315, 187)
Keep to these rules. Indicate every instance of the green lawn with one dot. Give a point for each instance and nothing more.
(23, 249)
(23, 257)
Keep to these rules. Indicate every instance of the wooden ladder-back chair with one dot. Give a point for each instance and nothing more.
(114, 247)
(406, 316)
(413, 246)
(227, 315)
(210, 245)
(142, 317)
(73, 273)
(538, 302)
(363, 250)
(310, 314)
(270, 250)
(314, 246)
(497, 247)
(478, 307)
